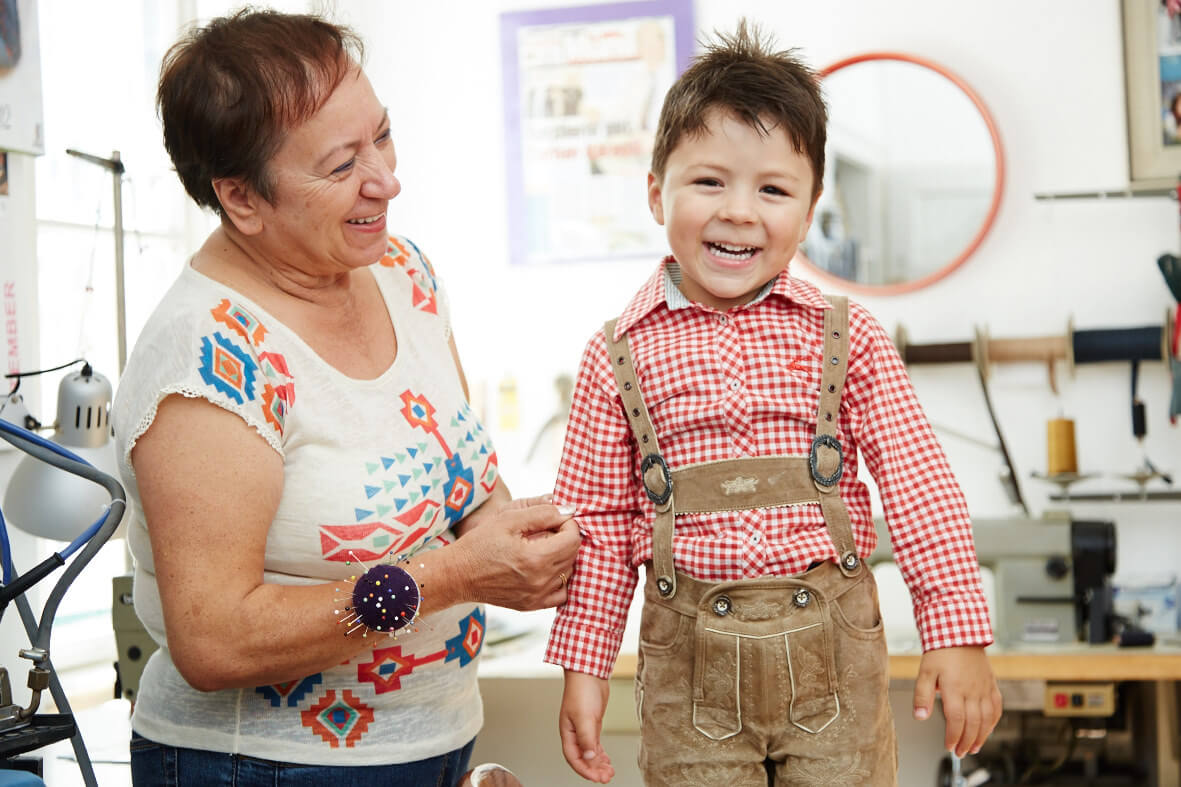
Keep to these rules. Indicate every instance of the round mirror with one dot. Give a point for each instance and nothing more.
(913, 176)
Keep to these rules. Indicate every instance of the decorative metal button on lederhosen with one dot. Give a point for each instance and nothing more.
(801, 598)
(656, 460)
(814, 463)
(721, 606)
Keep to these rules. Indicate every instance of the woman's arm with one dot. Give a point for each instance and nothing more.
(210, 487)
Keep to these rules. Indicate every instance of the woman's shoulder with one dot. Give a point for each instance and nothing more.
(403, 259)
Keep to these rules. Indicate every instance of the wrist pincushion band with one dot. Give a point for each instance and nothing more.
(386, 598)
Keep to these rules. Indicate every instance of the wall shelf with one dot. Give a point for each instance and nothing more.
(1118, 497)
(1170, 192)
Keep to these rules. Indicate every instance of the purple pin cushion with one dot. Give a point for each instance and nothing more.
(386, 598)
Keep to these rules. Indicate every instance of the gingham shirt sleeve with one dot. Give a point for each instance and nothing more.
(596, 475)
(930, 528)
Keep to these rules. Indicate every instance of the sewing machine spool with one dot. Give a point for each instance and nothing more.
(1060, 451)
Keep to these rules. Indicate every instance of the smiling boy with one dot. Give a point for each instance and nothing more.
(732, 403)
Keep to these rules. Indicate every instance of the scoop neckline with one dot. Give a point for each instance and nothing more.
(270, 320)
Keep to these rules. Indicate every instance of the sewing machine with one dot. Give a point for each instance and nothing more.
(1052, 578)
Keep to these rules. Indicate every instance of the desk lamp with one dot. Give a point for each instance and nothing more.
(42, 500)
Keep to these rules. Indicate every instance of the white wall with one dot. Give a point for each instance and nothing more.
(1053, 82)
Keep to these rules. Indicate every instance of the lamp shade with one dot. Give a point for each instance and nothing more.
(47, 502)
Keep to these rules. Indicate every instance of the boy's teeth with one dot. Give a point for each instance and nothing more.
(732, 252)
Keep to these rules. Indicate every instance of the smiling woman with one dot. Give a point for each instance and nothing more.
(253, 504)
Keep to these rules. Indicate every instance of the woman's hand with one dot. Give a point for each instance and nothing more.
(517, 554)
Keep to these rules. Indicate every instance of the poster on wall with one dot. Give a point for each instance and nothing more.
(583, 89)
(20, 78)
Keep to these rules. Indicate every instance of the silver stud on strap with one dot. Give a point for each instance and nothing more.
(664, 586)
(850, 561)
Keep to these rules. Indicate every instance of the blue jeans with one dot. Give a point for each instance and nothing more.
(157, 765)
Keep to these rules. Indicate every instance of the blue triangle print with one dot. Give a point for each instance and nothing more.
(413, 452)
(362, 513)
(385, 460)
(370, 491)
(426, 489)
(399, 504)
(403, 477)
(427, 466)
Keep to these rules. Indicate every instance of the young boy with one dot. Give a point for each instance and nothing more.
(762, 655)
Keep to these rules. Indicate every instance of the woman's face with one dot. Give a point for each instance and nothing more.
(334, 178)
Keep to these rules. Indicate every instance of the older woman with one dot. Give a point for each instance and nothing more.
(294, 419)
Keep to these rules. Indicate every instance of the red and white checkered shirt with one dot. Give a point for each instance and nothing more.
(724, 385)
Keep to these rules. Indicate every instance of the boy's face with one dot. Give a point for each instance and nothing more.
(736, 205)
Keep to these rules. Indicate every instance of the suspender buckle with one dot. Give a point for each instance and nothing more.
(827, 441)
(658, 496)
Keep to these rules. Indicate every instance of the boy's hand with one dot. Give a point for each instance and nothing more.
(971, 699)
(580, 720)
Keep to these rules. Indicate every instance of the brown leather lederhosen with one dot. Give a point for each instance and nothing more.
(783, 673)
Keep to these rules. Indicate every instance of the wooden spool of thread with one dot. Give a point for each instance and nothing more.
(1060, 454)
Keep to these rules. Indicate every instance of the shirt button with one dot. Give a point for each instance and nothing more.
(734, 384)
(722, 319)
(755, 538)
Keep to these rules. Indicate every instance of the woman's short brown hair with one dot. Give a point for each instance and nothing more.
(229, 91)
(741, 74)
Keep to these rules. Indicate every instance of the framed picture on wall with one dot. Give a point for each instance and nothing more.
(583, 87)
(1152, 73)
(21, 127)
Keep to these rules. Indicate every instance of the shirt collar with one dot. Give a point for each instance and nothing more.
(661, 290)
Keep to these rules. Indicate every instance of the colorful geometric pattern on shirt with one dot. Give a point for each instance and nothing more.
(278, 393)
(291, 692)
(405, 493)
(722, 385)
(390, 665)
(423, 282)
(239, 320)
(458, 488)
(227, 368)
(334, 720)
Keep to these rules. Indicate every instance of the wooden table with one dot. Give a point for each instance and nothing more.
(1159, 666)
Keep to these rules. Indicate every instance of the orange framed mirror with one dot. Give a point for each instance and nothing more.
(913, 178)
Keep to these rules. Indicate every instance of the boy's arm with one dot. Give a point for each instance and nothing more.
(925, 510)
(931, 536)
(580, 722)
(971, 699)
(596, 475)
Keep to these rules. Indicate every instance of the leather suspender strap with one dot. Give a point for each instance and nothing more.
(653, 469)
(826, 458)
